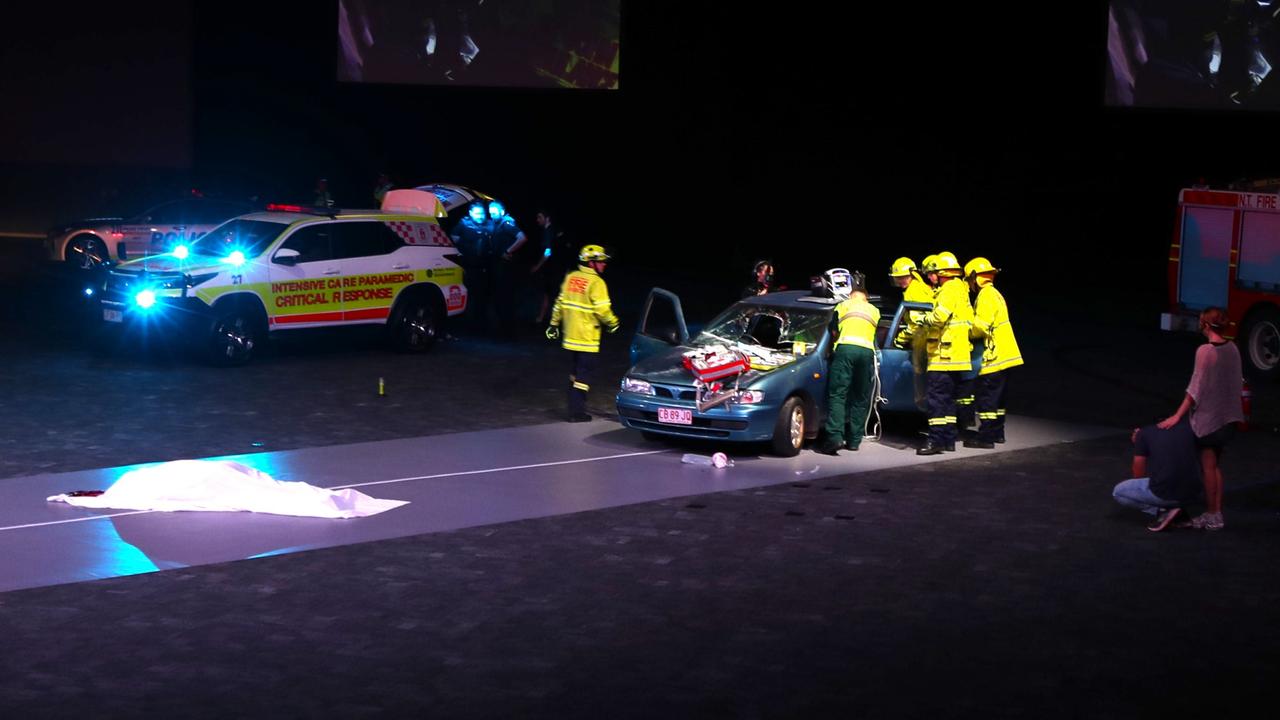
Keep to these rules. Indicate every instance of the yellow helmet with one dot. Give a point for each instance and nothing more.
(979, 265)
(928, 263)
(944, 261)
(591, 253)
(902, 267)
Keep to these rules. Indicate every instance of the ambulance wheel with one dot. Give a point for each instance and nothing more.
(788, 432)
(416, 324)
(234, 337)
(85, 252)
(1260, 341)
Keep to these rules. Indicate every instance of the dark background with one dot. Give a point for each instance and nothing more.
(793, 133)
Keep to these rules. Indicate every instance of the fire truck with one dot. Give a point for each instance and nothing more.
(1226, 253)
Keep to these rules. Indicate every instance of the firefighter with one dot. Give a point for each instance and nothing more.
(949, 349)
(851, 377)
(914, 288)
(930, 273)
(582, 307)
(999, 354)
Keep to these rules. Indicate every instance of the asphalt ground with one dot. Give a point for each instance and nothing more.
(1002, 586)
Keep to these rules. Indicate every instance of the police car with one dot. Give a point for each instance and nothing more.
(90, 243)
(292, 268)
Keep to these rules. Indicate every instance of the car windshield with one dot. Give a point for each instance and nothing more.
(250, 237)
(767, 326)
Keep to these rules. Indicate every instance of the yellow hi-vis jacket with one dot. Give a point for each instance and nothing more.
(991, 322)
(917, 291)
(948, 328)
(583, 306)
(858, 320)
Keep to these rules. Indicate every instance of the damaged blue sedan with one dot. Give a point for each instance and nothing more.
(756, 373)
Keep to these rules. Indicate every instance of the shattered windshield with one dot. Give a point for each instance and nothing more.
(774, 328)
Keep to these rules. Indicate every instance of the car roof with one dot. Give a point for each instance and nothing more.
(791, 299)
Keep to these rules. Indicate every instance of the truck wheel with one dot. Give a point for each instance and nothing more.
(234, 337)
(1260, 341)
(85, 252)
(788, 432)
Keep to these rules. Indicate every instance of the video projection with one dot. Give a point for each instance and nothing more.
(1201, 54)
(481, 43)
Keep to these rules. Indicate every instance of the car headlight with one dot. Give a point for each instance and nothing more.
(750, 397)
(632, 385)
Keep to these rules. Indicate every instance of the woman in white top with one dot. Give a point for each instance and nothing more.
(1213, 399)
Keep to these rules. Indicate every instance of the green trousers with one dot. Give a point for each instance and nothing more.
(849, 381)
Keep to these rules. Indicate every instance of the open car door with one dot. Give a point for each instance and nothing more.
(661, 327)
(899, 382)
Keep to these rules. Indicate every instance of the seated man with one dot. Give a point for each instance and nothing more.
(1166, 473)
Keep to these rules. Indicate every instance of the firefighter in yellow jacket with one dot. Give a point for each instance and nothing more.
(948, 326)
(914, 288)
(1000, 352)
(582, 307)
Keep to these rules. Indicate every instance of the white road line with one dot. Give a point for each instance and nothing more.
(495, 470)
(75, 520)
(356, 485)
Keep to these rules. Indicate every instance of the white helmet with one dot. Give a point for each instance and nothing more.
(838, 283)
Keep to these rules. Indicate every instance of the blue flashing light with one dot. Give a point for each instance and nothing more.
(546, 253)
(235, 258)
(181, 252)
(145, 299)
(88, 292)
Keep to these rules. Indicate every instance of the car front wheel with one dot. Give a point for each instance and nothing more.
(234, 338)
(788, 431)
(85, 252)
(416, 325)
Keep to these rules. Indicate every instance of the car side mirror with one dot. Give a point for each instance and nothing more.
(286, 256)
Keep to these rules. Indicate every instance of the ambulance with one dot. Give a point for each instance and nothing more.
(293, 268)
(1226, 253)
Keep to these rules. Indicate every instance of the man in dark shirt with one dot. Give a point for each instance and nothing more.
(1166, 473)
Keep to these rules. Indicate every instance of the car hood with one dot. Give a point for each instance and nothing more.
(667, 367)
(194, 265)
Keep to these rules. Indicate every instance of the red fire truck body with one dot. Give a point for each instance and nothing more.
(1226, 253)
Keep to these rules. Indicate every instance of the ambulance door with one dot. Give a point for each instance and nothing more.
(306, 287)
(1206, 251)
(376, 266)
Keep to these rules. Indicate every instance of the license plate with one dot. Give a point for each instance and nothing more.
(112, 316)
(675, 416)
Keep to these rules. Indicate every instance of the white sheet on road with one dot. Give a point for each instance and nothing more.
(226, 486)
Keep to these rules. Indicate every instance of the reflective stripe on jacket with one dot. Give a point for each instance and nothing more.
(991, 322)
(581, 308)
(948, 328)
(857, 320)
